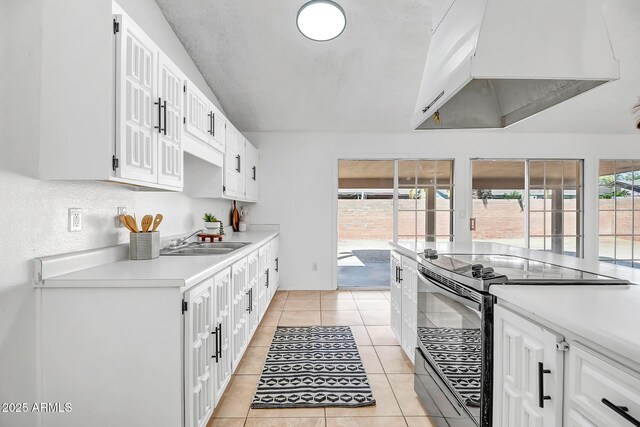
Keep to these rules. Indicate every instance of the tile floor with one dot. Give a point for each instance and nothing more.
(388, 369)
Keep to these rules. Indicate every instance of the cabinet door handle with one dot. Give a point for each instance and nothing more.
(541, 396)
(396, 274)
(159, 104)
(277, 264)
(249, 295)
(254, 173)
(623, 411)
(267, 272)
(210, 122)
(164, 107)
(220, 338)
(215, 352)
(400, 269)
(213, 124)
(238, 168)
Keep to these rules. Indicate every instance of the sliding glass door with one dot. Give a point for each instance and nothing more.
(529, 203)
(389, 200)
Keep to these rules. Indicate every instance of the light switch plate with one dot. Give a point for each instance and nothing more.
(75, 219)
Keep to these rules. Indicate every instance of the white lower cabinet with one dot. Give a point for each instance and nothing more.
(404, 302)
(600, 390)
(222, 317)
(253, 279)
(199, 375)
(264, 263)
(527, 372)
(240, 310)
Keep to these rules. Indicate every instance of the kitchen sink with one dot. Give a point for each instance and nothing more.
(202, 248)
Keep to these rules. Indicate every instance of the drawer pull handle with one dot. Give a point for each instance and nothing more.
(621, 410)
(541, 396)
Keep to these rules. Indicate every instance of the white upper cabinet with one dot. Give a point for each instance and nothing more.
(203, 122)
(232, 164)
(136, 93)
(251, 176)
(170, 83)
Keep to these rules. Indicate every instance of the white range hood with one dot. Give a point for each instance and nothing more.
(492, 63)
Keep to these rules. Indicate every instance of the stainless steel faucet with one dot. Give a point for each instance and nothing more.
(179, 242)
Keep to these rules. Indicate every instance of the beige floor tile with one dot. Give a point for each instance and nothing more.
(402, 385)
(253, 360)
(303, 295)
(357, 295)
(360, 335)
(270, 318)
(263, 336)
(336, 295)
(226, 422)
(302, 304)
(420, 422)
(281, 295)
(393, 360)
(373, 304)
(341, 318)
(277, 304)
(366, 422)
(287, 413)
(382, 335)
(370, 360)
(237, 398)
(285, 422)
(300, 318)
(376, 318)
(338, 305)
(386, 404)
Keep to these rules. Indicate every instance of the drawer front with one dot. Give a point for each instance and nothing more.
(602, 387)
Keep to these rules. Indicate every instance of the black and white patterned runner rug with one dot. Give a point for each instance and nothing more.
(313, 366)
(457, 354)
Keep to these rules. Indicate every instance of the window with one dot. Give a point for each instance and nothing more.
(619, 209)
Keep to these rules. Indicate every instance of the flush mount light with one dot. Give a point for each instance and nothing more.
(321, 20)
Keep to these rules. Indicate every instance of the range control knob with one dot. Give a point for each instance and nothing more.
(487, 273)
(430, 253)
(476, 270)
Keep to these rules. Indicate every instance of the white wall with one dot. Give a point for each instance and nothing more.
(33, 219)
(299, 181)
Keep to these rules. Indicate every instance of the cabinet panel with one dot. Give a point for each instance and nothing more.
(170, 91)
(252, 172)
(218, 130)
(409, 283)
(275, 265)
(522, 351)
(198, 348)
(231, 163)
(253, 279)
(240, 310)
(136, 137)
(222, 323)
(197, 114)
(396, 296)
(264, 260)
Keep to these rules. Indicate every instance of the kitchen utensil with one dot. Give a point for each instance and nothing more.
(156, 222)
(123, 220)
(147, 220)
(131, 222)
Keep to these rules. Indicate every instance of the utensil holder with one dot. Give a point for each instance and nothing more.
(144, 245)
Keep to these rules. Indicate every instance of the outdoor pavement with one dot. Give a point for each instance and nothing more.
(364, 263)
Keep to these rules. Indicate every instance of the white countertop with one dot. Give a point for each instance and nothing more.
(165, 271)
(606, 315)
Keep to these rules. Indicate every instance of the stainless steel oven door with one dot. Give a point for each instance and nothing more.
(452, 335)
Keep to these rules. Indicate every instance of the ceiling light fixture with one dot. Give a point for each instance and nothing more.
(321, 20)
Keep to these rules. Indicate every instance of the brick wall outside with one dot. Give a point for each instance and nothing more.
(373, 219)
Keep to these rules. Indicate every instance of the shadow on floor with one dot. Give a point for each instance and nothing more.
(364, 268)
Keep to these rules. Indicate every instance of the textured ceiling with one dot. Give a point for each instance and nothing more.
(268, 77)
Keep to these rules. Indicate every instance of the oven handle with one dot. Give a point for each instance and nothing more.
(450, 294)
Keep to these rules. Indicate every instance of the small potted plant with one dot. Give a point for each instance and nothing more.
(211, 222)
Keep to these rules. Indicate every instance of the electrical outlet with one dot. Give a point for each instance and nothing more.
(314, 266)
(121, 211)
(75, 219)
